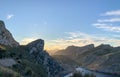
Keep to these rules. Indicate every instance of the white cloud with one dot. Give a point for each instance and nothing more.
(115, 19)
(108, 27)
(110, 13)
(25, 41)
(75, 34)
(9, 16)
(110, 20)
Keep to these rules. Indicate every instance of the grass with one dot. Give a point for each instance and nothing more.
(6, 72)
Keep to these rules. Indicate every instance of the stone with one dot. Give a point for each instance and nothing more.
(7, 62)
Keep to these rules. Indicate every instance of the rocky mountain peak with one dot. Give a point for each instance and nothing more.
(36, 49)
(6, 37)
(69, 48)
(90, 46)
(104, 46)
(36, 46)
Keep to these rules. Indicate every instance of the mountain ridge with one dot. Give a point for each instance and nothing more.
(103, 58)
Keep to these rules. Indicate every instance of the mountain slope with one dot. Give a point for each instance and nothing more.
(74, 51)
(67, 63)
(6, 37)
(103, 58)
(29, 61)
(42, 57)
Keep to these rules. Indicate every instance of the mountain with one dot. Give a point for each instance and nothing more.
(42, 57)
(6, 37)
(103, 58)
(73, 51)
(30, 60)
(66, 57)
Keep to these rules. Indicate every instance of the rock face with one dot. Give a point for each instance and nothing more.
(6, 37)
(36, 49)
(7, 62)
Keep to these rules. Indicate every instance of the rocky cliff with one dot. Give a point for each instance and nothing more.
(36, 49)
(6, 37)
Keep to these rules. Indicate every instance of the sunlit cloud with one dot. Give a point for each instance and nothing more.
(81, 39)
(109, 20)
(107, 27)
(25, 41)
(9, 16)
(112, 13)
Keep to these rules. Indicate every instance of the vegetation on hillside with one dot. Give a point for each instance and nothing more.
(103, 58)
(25, 67)
(6, 72)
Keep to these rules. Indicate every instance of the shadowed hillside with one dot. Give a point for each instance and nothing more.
(30, 60)
(103, 58)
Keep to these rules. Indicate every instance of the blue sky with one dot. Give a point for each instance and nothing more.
(63, 22)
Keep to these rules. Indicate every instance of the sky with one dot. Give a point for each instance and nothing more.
(62, 23)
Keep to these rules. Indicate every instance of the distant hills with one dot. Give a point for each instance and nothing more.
(103, 58)
(74, 51)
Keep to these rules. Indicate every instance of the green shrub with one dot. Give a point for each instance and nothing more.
(28, 71)
(5, 72)
(79, 74)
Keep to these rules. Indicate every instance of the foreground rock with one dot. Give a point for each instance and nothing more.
(7, 62)
(6, 37)
(36, 49)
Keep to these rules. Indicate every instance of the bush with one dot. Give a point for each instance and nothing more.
(79, 74)
(5, 72)
(2, 53)
(28, 71)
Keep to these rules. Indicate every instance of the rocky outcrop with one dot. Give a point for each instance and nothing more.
(6, 37)
(7, 62)
(36, 49)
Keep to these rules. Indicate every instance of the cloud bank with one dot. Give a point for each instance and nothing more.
(81, 39)
(109, 24)
(112, 13)
(107, 27)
